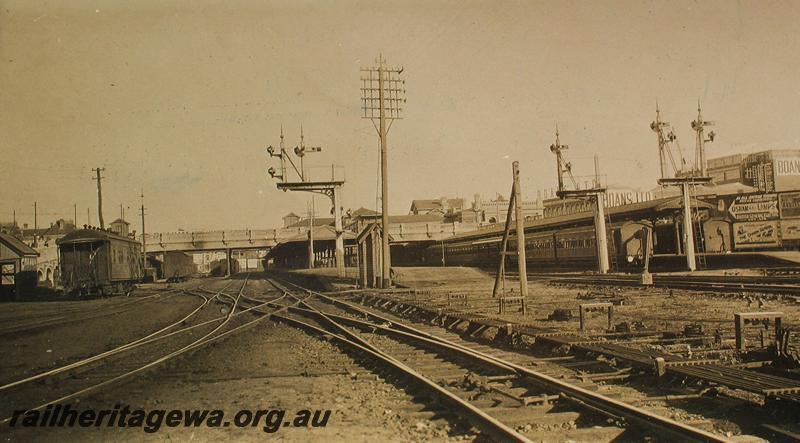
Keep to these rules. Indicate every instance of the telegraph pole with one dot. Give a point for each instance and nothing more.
(35, 226)
(99, 195)
(144, 239)
(75, 218)
(311, 234)
(382, 98)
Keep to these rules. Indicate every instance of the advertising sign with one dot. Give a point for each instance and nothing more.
(787, 166)
(755, 234)
(790, 205)
(790, 229)
(754, 207)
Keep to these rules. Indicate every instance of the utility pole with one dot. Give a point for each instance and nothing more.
(382, 98)
(311, 234)
(700, 153)
(522, 266)
(99, 196)
(144, 238)
(88, 217)
(35, 226)
(75, 218)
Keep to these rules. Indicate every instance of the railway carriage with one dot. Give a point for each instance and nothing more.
(571, 247)
(98, 262)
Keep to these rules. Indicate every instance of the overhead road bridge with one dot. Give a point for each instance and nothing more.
(223, 240)
(202, 241)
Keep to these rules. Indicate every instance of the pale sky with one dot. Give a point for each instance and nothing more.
(181, 98)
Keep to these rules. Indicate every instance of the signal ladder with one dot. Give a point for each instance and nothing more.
(699, 237)
(700, 242)
(612, 249)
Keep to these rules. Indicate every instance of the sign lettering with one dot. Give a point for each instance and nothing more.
(756, 207)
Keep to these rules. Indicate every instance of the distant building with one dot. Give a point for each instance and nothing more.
(362, 217)
(204, 260)
(495, 211)
(120, 227)
(43, 240)
(767, 171)
(442, 206)
(9, 228)
(290, 219)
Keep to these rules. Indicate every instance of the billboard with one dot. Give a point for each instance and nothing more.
(754, 207)
(787, 165)
(787, 170)
(790, 205)
(790, 229)
(755, 234)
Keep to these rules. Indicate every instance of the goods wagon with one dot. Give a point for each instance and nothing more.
(98, 262)
(177, 266)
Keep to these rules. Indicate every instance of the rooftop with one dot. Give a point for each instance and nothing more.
(17, 245)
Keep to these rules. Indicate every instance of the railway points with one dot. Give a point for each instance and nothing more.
(694, 356)
(654, 297)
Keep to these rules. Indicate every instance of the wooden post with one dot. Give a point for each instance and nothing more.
(521, 264)
(504, 246)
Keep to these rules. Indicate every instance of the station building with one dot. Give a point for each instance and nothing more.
(17, 266)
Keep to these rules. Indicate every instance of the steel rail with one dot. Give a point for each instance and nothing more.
(486, 422)
(39, 321)
(684, 283)
(125, 347)
(202, 341)
(642, 417)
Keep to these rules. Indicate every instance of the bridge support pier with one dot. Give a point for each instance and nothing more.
(228, 259)
(601, 232)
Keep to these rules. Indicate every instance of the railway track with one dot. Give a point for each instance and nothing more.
(194, 330)
(38, 321)
(627, 364)
(498, 392)
(722, 284)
